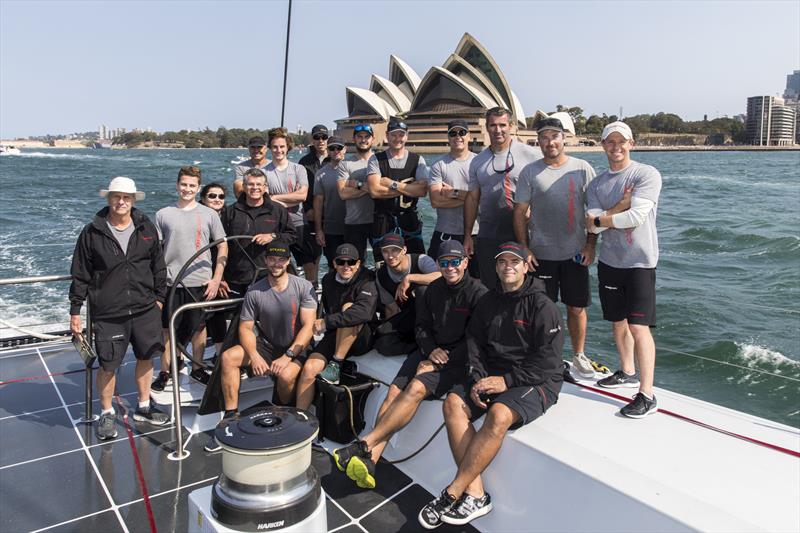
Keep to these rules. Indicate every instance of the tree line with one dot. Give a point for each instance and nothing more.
(207, 138)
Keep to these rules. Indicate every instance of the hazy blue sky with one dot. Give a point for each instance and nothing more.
(70, 66)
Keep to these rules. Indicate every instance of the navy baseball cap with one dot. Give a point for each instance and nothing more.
(395, 124)
(451, 248)
(393, 239)
(278, 249)
(347, 251)
(457, 124)
(335, 141)
(513, 248)
(319, 129)
(257, 141)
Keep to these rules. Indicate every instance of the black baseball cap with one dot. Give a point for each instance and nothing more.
(513, 248)
(395, 124)
(451, 248)
(257, 141)
(319, 129)
(549, 124)
(335, 141)
(392, 239)
(347, 251)
(457, 124)
(278, 249)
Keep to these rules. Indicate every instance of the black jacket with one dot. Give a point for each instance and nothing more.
(361, 292)
(443, 316)
(311, 163)
(518, 336)
(240, 219)
(118, 283)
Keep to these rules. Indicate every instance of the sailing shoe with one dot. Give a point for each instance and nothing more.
(161, 381)
(150, 416)
(342, 456)
(212, 445)
(640, 406)
(361, 469)
(330, 374)
(198, 374)
(107, 426)
(467, 509)
(430, 517)
(603, 369)
(583, 366)
(618, 380)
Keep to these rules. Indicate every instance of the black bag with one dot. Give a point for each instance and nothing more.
(84, 350)
(340, 408)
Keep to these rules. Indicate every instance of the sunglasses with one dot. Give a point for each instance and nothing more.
(457, 133)
(363, 127)
(444, 263)
(320, 137)
(348, 262)
(335, 148)
(215, 196)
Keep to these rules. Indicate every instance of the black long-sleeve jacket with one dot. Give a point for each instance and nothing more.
(118, 283)
(518, 336)
(361, 292)
(443, 314)
(240, 219)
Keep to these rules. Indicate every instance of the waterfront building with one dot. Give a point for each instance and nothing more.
(770, 122)
(792, 91)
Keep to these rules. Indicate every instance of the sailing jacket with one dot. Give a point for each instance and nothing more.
(361, 292)
(240, 219)
(118, 282)
(311, 163)
(518, 336)
(443, 315)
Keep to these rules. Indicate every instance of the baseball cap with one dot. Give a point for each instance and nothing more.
(347, 251)
(277, 249)
(335, 141)
(320, 129)
(124, 185)
(392, 239)
(513, 248)
(256, 141)
(363, 127)
(451, 248)
(395, 124)
(457, 124)
(619, 127)
(550, 124)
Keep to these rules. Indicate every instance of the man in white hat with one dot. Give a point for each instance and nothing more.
(622, 205)
(119, 264)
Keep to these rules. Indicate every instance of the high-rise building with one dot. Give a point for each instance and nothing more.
(770, 122)
(792, 91)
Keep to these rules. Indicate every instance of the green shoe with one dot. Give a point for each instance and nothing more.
(330, 374)
(342, 456)
(361, 469)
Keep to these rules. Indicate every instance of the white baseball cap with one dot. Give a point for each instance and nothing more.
(619, 127)
(122, 184)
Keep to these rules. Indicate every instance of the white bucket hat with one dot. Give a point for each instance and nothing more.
(122, 184)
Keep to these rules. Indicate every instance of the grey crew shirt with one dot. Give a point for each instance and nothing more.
(422, 169)
(333, 208)
(557, 196)
(182, 234)
(244, 166)
(358, 210)
(123, 236)
(455, 174)
(426, 265)
(277, 313)
(290, 179)
(487, 172)
(630, 247)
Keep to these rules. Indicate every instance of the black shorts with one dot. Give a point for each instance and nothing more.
(358, 235)
(362, 344)
(332, 241)
(190, 321)
(485, 250)
(628, 293)
(528, 402)
(269, 353)
(567, 277)
(438, 238)
(305, 249)
(437, 382)
(112, 337)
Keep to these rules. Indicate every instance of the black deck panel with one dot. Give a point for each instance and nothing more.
(170, 510)
(78, 410)
(25, 396)
(27, 437)
(106, 522)
(336, 518)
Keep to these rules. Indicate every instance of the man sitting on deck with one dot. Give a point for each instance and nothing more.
(514, 343)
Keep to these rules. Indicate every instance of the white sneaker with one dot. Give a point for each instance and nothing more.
(583, 366)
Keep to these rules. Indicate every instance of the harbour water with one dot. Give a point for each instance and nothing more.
(728, 280)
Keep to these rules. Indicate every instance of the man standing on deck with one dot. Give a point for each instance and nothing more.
(448, 189)
(352, 181)
(258, 159)
(493, 176)
(554, 190)
(119, 264)
(316, 157)
(329, 208)
(626, 268)
(514, 343)
(396, 180)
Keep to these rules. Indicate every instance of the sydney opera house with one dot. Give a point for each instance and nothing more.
(465, 86)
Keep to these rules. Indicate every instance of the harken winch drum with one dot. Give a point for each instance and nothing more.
(267, 481)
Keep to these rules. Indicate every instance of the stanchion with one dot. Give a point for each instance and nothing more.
(88, 416)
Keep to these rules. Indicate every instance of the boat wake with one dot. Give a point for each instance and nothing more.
(58, 156)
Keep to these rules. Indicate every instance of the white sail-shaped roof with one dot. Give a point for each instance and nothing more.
(461, 68)
(390, 92)
(565, 119)
(441, 90)
(365, 102)
(402, 75)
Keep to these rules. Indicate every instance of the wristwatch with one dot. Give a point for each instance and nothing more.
(290, 353)
(359, 184)
(274, 236)
(597, 222)
(394, 186)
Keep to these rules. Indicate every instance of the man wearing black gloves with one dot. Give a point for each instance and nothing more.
(514, 343)
(349, 299)
(429, 372)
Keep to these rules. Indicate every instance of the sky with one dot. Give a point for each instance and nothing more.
(70, 66)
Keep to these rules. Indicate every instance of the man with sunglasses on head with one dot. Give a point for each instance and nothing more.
(349, 302)
(316, 157)
(257, 147)
(329, 208)
(553, 190)
(352, 184)
(449, 183)
(493, 176)
(396, 180)
(429, 372)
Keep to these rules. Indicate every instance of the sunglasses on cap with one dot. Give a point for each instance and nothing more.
(215, 196)
(347, 262)
(335, 148)
(320, 137)
(395, 126)
(363, 127)
(444, 263)
(457, 133)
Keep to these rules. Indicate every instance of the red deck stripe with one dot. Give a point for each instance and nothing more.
(698, 422)
(139, 474)
(45, 376)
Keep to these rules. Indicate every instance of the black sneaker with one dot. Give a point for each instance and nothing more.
(199, 374)
(467, 509)
(213, 445)
(342, 456)
(618, 380)
(430, 517)
(107, 426)
(640, 407)
(160, 382)
(150, 416)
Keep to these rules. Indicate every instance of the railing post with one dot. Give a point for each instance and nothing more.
(88, 416)
(179, 454)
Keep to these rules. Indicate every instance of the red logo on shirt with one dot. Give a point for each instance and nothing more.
(146, 238)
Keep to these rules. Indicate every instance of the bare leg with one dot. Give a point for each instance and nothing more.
(460, 432)
(199, 346)
(144, 375)
(624, 340)
(232, 362)
(403, 410)
(391, 397)
(305, 385)
(287, 382)
(106, 381)
(576, 324)
(645, 350)
(311, 271)
(166, 356)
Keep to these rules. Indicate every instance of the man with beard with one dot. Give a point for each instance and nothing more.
(352, 181)
(257, 147)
